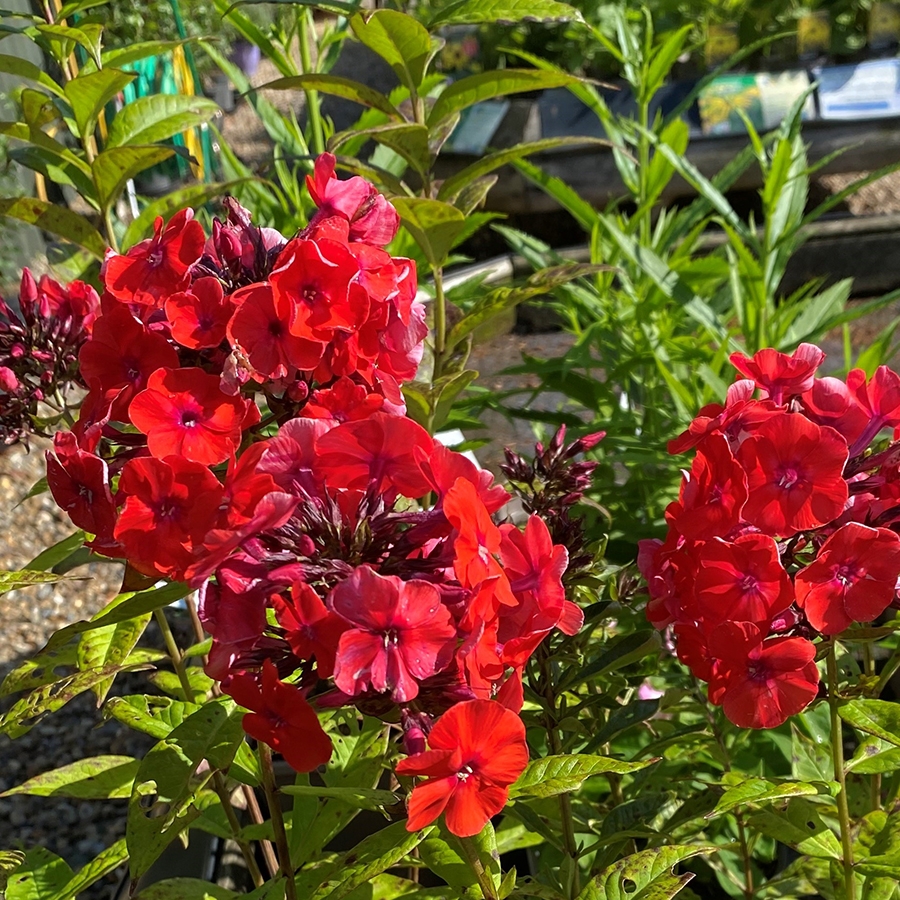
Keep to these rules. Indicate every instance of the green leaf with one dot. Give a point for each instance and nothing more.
(433, 225)
(362, 798)
(22, 68)
(370, 857)
(336, 86)
(88, 94)
(58, 553)
(119, 610)
(799, 826)
(567, 197)
(403, 43)
(455, 183)
(878, 717)
(25, 713)
(161, 804)
(12, 581)
(501, 299)
(114, 167)
(58, 220)
(644, 876)
(185, 889)
(110, 646)
(193, 195)
(10, 860)
(487, 85)
(619, 652)
(39, 670)
(148, 120)
(122, 56)
(874, 757)
(39, 876)
(408, 140)
(107, 861)
(338, 7)
(560, 774)
(442, 854)
(94, 778)
(758, 790)
(156, 716)
(479, 12)
(87, 35)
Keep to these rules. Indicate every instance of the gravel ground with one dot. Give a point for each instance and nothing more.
(879, 198)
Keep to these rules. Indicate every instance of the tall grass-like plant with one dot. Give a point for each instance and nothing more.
(686, 285)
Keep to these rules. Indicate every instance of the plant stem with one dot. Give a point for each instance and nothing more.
(440, 338)
(271, 789)
(565, 803)
(174, 654)
(837, 751)
(485, 882)
(221, 790)
(317, 134)
(887, 672)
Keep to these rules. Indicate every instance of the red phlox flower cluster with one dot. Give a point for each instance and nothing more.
(785, 529)
(244, 432)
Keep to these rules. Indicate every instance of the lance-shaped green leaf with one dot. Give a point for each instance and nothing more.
(487, 85)
(41, 669)
(107, 861)
(799, 826)
(95, 778)
(88, 94)
(10, 860)
(161, 804)
(148, 120)
(560, 774)
(41, 874)
(362, 798)
(55, 169)
(59, 552)
(156, 716)
(408, 140)
(119, 610)
(58, 220)
(878, 717)
(12, 581)
(402, 42)
(336, 86)
(874, 757)
(186, 889)
(759, 791)
(87, 35)
(110, 646)
(479, 12)
(455, 183)
(22, 68)
(501, 299)
(370, 857)
(113, 167)
(644, 876)
(121, 56)
(434, 225)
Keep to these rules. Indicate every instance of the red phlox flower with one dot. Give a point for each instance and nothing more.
(534, 566)
(713, 493)
(281, 717)
(121, 355)
(380, 450)
(402, 634)
(442, 467)
(184, 412)
(291, 457)
(75, 306)
(669, 569)
(200, 315)
(236, 620)
(170, 506)
(477, 751)
(246, 485)
(260, 326)
(153, 269)
(830, 402)
(779, 375)
(372, 219)
(79, 483)
(692, 648)
(741, 581)
(403, 345)
(852, 579)
(315, 278)
(761, 683)
(880, 398)
(794, 475)
(312, 629)
(344, 401)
